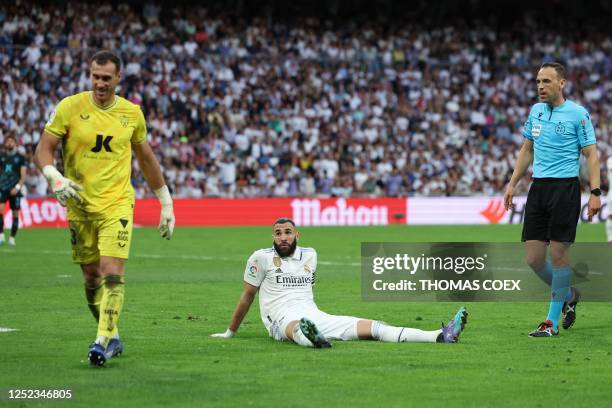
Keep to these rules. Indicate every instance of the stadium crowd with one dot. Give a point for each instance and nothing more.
(241, 107)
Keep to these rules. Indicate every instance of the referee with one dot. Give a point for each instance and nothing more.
(555, 132)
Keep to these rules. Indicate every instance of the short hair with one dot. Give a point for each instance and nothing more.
(10, 136)
(559, 68)
(284, 220)
(105, 56)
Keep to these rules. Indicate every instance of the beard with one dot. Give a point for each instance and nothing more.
(283, 253)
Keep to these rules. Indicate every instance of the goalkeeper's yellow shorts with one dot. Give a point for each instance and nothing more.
(91, 239)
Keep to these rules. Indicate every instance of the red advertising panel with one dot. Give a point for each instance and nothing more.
(38, 212)
(221, 211)
(47, 212)
(263, 211)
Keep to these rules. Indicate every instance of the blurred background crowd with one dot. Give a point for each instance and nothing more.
(247, 101)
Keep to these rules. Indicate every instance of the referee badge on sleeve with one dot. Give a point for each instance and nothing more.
(536, 130)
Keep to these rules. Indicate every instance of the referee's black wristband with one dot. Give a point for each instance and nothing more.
(596, 192)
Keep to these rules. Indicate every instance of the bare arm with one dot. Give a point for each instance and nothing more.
(43, 156)
(155, 179)
(590, 152)
(149, 165)
(523, 161)
(23, 175)
(525, 157)
(243, 306)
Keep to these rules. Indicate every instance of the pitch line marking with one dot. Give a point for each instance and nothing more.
(187, 257)
(7, 329)
(228, 259)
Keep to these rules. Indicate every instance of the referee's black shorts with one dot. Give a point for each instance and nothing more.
(552, 210)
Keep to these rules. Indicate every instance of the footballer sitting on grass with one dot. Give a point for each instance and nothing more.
(285, 274)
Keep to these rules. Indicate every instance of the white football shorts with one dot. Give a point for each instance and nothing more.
(331, 326)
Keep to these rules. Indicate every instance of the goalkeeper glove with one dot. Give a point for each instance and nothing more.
(62, 188)
(228, 334)
(166, 219)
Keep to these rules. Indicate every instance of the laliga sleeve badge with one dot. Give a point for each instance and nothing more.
(253, 271)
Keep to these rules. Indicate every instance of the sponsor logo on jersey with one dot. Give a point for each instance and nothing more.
(293, 281)
(84, 117)
(123, 237)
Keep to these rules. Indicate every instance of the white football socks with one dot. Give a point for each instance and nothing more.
(391, 334)
(299, 338)
(609, 228)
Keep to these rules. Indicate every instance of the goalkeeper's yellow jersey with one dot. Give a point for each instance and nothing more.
(97, 152)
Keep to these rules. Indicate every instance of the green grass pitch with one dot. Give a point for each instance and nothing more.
(179, 292)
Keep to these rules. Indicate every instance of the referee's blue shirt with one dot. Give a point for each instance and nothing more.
(558, 135)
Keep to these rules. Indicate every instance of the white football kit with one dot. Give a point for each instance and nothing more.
(285, 294)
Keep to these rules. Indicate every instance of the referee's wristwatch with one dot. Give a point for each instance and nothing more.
(596, 192)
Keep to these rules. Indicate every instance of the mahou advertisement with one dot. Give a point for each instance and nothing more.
(47, 212)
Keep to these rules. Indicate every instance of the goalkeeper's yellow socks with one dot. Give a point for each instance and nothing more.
(110, 308)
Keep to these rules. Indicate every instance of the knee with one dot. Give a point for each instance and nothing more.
(559, 256)
(91, 275)
(364, 329)
(111, 266)
(558, 262)
(535, 261)
(289, 329)
(92, 281)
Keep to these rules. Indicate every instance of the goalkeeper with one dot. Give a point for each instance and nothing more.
(284, 276)
(98, 131)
